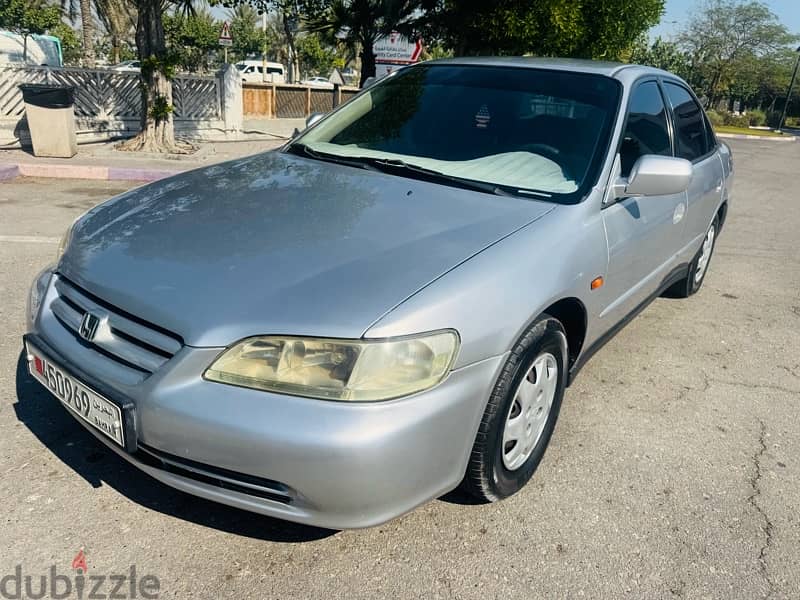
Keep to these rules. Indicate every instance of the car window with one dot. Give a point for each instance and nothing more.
(690, 132)
(277, 70)
(529, 129)
(646, 129)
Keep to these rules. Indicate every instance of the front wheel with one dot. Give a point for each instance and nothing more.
(521, 413)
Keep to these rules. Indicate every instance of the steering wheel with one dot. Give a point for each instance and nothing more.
(545, 150)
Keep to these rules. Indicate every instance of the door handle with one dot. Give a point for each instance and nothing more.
(718, 188)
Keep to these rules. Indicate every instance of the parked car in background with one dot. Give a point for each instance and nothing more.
(127, 66)
(320, 82)
(395, 302)
(253, 71)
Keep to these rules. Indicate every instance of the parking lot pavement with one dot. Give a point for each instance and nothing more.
(673, 470)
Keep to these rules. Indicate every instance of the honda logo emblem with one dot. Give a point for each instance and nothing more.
(88, 328)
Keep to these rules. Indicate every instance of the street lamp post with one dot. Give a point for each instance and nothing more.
(789, 92)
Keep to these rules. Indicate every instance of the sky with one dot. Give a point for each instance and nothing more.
(678, 13)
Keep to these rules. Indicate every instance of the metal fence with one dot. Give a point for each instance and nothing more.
(104, 94)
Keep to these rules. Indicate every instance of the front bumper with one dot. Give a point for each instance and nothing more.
(329, 464)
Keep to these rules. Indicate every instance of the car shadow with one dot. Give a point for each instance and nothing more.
(49, 421)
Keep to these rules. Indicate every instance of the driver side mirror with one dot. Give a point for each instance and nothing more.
(654, 175)
(313, 118)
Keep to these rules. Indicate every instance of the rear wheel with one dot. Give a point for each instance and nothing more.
(698, 267)
(521, 413)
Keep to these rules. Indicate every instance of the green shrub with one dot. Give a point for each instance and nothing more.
(733, 120)
(715, 117)
(757, 118)
(792, 121)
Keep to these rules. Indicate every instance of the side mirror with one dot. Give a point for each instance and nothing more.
(313, 118)
(654, 175)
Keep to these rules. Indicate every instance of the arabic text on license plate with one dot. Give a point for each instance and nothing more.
(88, 405)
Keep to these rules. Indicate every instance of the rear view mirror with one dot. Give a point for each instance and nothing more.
(654, 175)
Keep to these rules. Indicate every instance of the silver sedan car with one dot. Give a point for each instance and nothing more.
(392, 304)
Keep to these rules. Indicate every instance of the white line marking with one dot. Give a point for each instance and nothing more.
(28, 239)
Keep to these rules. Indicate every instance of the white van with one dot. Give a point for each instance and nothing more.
(253, 71)
(41, 49)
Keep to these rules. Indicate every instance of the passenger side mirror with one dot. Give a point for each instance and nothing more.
(313, 118)
(654, 175)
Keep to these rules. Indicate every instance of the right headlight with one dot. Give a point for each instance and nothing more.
(64, 243)
(338, 369)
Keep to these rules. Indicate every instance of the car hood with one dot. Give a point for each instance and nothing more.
(276, 243)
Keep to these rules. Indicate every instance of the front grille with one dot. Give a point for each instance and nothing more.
(123, 337)
(216, 476)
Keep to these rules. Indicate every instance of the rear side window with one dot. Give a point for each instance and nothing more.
(646, 128)
(690, 131)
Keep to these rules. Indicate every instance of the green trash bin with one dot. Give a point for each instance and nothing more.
(51, 119)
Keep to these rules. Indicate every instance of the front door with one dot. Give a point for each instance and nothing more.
(644, 234)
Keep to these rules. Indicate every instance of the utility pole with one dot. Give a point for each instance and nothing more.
(789, 91)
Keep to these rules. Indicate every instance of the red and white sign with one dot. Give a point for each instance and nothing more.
(225, 38)
(396, 49)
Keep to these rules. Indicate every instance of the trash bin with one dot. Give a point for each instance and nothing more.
(51, 119)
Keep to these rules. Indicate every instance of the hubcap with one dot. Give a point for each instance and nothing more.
(529, 411)
(705, 256)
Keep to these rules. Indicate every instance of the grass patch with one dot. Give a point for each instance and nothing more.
(747, 131)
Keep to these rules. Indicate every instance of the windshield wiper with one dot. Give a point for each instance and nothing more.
(301, 149)
(393, 165)
(400, 167)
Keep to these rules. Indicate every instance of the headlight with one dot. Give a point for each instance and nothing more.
(36, 295)
(353, 370)
(64, 243)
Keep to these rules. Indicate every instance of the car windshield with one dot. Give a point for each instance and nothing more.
(528, 130)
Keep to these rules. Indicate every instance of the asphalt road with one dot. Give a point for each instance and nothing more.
(673, 471)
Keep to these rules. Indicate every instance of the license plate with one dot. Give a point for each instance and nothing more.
(102, 414)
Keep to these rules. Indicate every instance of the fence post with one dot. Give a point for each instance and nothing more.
(230, 81)
(308, 101)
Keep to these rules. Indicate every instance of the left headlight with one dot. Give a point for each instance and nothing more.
(334, 369)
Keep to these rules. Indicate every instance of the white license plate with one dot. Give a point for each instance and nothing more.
(90, 406)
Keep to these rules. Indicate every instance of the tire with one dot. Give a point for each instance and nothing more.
(498, 466)
(697, 268)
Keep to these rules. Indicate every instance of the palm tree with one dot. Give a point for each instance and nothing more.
(118, 18)
(84, 7)
(359, 23)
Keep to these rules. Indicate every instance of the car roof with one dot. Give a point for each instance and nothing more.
(610, 69)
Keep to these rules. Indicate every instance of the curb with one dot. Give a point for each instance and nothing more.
(10, 171)
(768, 138)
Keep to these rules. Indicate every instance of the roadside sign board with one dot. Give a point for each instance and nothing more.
(397, 49)
(336, 77)
(225, 38)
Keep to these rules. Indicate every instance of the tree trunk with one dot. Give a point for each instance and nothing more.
(292, 52)
(87, 29)
(367, 62)
(158, 133)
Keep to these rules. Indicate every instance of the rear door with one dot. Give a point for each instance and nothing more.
(695, 141)
(644, 234)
